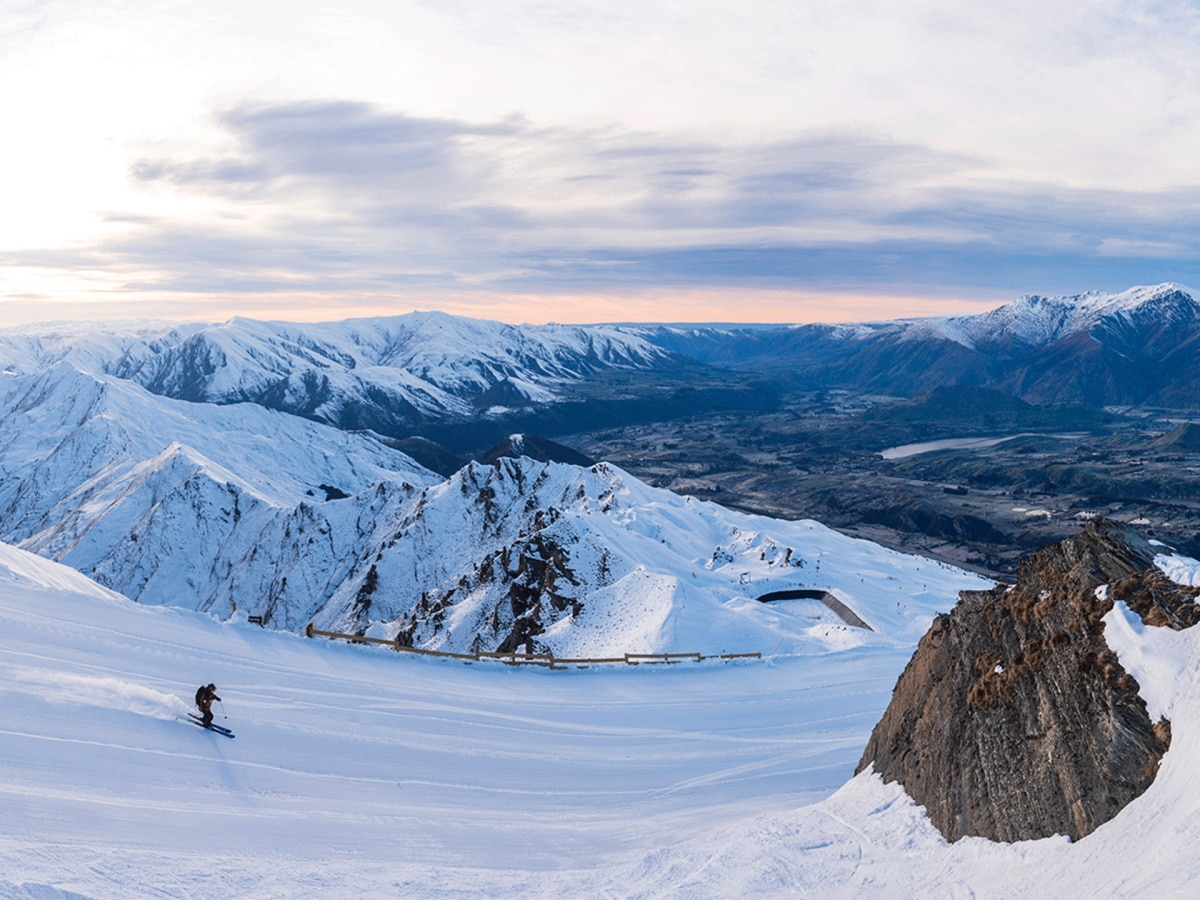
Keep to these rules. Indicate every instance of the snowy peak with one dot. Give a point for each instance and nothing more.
(1036, 320)
(1135, 347)
(389, 375)
(432, 361)
(105, 421)
(162, 499)
(451, 351)
(535, 557)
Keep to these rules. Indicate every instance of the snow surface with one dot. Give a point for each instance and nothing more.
(1180, 569)
(360, 772)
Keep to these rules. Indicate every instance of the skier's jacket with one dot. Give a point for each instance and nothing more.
(205, 695)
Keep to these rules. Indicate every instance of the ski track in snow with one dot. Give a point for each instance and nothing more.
(360, 772)
(408, 757)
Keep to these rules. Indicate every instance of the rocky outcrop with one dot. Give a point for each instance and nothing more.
(517, 445)
(1014, 720)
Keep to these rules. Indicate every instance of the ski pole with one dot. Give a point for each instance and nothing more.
(223, 716)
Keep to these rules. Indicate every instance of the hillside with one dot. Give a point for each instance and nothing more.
(364, 772)
(967, 410)
(1185, 437)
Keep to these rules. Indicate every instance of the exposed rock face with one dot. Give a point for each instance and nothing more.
(1014, 720)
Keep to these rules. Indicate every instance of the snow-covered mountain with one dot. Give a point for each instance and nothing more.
(221, 507)
(162, 499)
(386, 374)
(1137, 346)
(1036, 321)
(590, 562)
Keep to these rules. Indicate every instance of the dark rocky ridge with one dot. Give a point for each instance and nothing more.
(517, 445)
(1014, 720)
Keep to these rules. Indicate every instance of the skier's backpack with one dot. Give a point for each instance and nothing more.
(199, 694)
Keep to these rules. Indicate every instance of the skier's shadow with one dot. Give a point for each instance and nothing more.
(227, 767)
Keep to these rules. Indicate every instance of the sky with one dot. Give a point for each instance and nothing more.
(536, 161)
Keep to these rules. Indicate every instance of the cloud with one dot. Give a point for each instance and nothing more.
(373, 159)
(351, 197)
(365, 155)
(913, 267)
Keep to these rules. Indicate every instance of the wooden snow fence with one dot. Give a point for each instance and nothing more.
(547, 660)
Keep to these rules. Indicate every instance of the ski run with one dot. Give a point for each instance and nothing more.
(362, 772)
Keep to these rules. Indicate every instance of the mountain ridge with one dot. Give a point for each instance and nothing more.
(1140, 346)
(400, 375)
(207, 506)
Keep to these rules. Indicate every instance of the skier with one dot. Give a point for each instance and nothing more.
(205, 695)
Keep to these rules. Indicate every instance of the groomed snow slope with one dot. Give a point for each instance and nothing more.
(358, 772)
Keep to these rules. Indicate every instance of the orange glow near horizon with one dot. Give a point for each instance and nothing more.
(733, 305)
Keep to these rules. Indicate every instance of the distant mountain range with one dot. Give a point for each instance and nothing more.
(1138, 347)
(263, 464)
(388, 375)
(468, 383)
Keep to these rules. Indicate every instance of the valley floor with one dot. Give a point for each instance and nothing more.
(974, 498)
(359, 772)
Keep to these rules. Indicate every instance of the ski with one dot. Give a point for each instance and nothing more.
(219, 729)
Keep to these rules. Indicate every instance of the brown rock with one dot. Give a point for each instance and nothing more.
(1014, 720)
